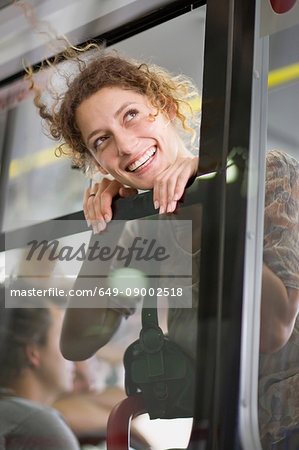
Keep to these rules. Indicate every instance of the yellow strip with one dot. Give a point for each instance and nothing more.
(195, 104)
(283, 75)
(19, 166)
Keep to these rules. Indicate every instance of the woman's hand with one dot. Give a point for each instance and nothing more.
(169, 186)
(98, 200)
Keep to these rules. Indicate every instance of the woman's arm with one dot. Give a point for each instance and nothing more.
(280, 282)
(279, 309)
(85, 330)
(94, 313)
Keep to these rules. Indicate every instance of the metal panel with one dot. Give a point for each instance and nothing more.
(225, 134)
(249, 430)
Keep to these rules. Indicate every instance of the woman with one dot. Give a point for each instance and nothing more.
(126, 119)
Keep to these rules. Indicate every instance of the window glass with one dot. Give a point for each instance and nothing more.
(31, 153)
(41, 187)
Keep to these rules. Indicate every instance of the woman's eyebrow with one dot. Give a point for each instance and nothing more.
(124, 106)
(94, 132)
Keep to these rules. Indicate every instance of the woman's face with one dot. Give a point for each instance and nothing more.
(55, 372)
(126, 137)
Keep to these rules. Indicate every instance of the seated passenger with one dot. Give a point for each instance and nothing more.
(33, 374)
(86, 409)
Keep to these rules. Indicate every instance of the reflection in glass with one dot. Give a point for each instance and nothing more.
(279, 358)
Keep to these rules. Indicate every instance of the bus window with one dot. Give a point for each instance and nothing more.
(32, 163)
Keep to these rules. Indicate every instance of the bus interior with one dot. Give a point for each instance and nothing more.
(243, 57)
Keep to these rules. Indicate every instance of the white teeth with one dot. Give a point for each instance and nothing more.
(142, 160)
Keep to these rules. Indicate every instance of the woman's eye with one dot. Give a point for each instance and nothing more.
(97, 143)
(130, 115)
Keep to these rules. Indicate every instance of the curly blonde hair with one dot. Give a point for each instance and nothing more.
(99, 68)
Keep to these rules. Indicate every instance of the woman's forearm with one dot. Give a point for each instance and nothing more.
(279, 308)
(85, 330)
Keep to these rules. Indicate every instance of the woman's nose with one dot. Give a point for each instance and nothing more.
(126, 143)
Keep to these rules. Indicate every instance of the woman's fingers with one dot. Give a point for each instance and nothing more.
(164, 189)
(181, 182)
(97, 203)
(170, 185)
(88, 206)
(104, 198)
(91, 207)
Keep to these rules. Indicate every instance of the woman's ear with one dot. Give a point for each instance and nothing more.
(33, 355)
(171, 109)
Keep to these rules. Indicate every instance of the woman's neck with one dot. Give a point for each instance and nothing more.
(28, 387)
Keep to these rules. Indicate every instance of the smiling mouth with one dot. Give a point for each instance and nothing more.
(143, 161)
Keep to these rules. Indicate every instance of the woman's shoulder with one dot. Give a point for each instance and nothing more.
(282, 179)
(281, 224)
(20, 407)
(34, 423)
(278, 161)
